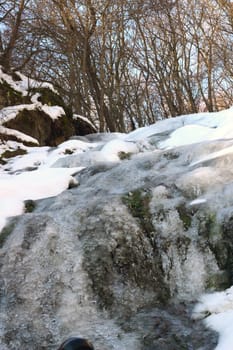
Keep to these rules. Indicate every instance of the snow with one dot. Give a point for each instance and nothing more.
(38, 174)
(186, 135)
(197, 201)
(42, 183)
(11, 112)
(111, 150)
(214, 155)
(19, 135)
(77, 117)
(23, 84)
(189, 129)
(217, 309)
(53, 111)
(8, 113)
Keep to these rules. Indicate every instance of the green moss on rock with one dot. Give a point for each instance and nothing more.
(218, 281)
(29, 206)
(51, 98)
(9, 96)
(219, 238)
(124, 155)
(6, 231)
(185, 216)
(12, 153)
(42, 127)
(138, 202)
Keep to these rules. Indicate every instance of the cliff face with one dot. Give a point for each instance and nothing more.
(122, 258)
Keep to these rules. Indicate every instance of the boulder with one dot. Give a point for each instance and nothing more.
(83, 126)
(33, 106)
(40, 125)
(9, 96)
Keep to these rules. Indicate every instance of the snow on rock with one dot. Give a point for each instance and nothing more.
(11, 112)
(78, 117)
(214, 303)
(19, 135)
(112, 150)
(23, 83)
(186, 135)
(54, 112)
(217, 311)
(198, 201)
(42, 183)
(154, 228)
(36, 109)
(8, 113)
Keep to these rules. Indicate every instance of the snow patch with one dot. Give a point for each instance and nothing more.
(54, 112)
(19, 135)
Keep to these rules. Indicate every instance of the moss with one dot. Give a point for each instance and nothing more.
(51, 98)
(29, 206)
(47, 96)
(40, 126)
(9, 154)
(138, 203)
(185, 216)
(6, 231)
(169, 155)
(219, 238)
(209, 226)
(124, 155)
(218, 281)
(9, 96)
(2, 161)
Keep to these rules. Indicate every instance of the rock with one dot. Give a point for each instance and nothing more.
(9, 96)
(120, 259)
(32, 113)
(39, 125)
(83, 126)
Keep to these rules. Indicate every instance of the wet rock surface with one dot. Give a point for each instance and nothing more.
(121, 259)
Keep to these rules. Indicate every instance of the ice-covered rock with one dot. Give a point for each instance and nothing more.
(122, 256)
(124, 246)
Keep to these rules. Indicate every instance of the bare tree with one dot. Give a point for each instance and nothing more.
(125, 63)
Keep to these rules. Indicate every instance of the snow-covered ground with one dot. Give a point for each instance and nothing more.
(37, 175)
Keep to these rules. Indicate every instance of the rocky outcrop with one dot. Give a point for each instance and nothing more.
(121, 258)
(28, 106)
(9, 96)
(83, 126)
(39, 125)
